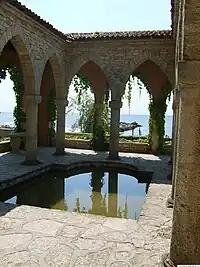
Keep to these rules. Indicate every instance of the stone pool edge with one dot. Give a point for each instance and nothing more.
(29, 174)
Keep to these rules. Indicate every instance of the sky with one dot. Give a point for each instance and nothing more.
(95, 16)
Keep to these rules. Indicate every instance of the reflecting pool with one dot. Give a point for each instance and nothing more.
(97, 191)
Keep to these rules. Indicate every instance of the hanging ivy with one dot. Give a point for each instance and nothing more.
(89, 123)
(81, 86)
(157, 109)
(129, 92)
(16, 76)
(157, 106)
(99, 140)
(51, 112)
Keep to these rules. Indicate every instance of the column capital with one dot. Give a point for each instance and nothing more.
(32, 97)
(115, 104)
(62, 102)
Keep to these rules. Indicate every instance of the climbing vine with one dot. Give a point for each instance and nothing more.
(129, 87)
(157, 109)
(51, 112)
(88, 119)
(16, 76)
(157, 106)
(99, 140)
(81, 86)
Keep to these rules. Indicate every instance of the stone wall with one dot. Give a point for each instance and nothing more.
(120, 58)
(128, 147)
(123, 146)
(5, 146)
(34, 43)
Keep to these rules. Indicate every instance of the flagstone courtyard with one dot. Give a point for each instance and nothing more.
(32, 236)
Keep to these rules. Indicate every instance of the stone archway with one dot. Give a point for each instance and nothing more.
(52, 87)
(91, 74)
(15, 36)
(97, 78)
(153, 76)
(14, 40)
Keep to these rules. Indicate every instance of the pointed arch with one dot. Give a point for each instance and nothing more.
(157, 59)
(92, 70)
(15, 35)
(152, 74)
(80, 61)
(58, 71)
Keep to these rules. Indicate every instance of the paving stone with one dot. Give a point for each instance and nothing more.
(47, 227)
(20, 258)
(71, 231)
(41, 245)
(89, 244)
(7, 224)
(8, 241)
(59, 255)
(94, 259)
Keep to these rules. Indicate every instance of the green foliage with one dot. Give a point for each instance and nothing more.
(129, 139)
(51, 111)
(86, 114)
(157, 109)
(78, 136)
(99, 140)
(81, 86)
(16, 76)
(130, 85)
(88, 122)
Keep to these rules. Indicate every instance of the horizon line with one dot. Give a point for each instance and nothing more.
(124, 114)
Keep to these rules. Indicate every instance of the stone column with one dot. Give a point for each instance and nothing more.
(31, 106)
(115, 106)
(185, 242)
(60, 129)
(174, 143)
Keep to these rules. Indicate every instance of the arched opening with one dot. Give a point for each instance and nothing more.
(9, 57)
(88, 94)
(149, 89)
(52, 88)
(16, 68)
(47, 108)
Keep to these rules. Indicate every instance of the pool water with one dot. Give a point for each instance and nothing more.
(99, 192)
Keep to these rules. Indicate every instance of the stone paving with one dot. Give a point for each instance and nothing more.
(31, 236)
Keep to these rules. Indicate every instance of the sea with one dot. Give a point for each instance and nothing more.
(6, 118)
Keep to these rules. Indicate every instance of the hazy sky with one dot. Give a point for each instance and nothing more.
(103, 15)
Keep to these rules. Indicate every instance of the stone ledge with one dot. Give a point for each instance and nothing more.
(129, 147)
(77, 167)
(5, 146)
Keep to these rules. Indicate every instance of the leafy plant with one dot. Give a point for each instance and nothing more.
(16, 76)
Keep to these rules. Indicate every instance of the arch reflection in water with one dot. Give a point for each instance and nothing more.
(102, 193)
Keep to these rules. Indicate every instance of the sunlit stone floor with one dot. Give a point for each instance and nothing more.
(31, 236)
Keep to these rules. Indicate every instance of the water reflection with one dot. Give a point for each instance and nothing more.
(46, 193)
(98, 192)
